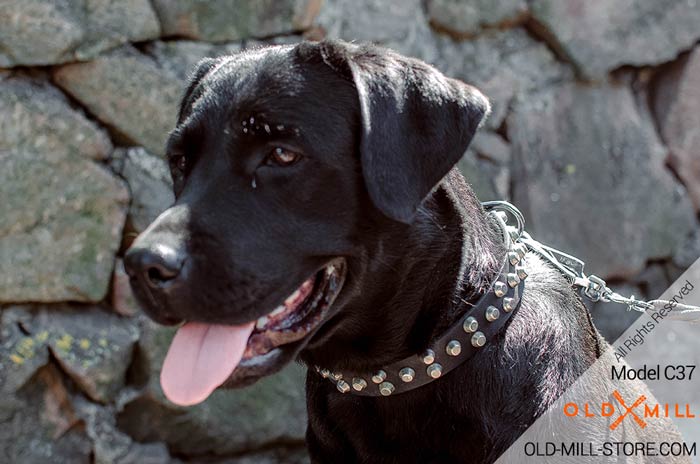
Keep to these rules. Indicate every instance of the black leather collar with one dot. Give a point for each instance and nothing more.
(460, 342)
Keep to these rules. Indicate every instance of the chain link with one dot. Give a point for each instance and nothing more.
(590, 286)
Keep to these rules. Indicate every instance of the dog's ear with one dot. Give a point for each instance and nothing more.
(200, 70)
(416, 123)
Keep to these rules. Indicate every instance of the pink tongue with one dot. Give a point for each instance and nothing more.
(200, 358)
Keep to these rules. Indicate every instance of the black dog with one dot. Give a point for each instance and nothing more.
(328, 168)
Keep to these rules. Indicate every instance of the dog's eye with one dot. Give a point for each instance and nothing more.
(283, 157)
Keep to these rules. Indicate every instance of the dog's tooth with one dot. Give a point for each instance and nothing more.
(261, 322)
(290, 299)
(278, 310)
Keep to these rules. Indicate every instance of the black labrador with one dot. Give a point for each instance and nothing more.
(319, 216)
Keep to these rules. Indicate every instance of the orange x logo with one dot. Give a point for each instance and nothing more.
(628, 410)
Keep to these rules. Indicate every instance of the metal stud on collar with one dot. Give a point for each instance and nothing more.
(478, 340)
(513, 279)
(470, 324)
(492, 313)
(407, 374)
(343, 386)
(453, 348)
(513, 257)
(434, 370)
(521, 272)
(509, 304)
(500, 289)
(379, 376)
(359, 384)
(386, 388)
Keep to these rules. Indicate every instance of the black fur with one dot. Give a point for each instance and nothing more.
(379, 133)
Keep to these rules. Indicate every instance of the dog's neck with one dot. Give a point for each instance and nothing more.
(417, 282)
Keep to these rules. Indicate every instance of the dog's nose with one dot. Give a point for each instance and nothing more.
(157, 266)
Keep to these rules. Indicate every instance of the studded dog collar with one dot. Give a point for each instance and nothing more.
(461, 341)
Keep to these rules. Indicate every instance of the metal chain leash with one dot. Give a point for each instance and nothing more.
(590, 286)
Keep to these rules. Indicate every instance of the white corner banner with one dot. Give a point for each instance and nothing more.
(639, 402)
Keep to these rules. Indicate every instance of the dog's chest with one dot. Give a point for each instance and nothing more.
(411, 428)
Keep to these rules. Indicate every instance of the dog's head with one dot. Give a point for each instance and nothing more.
(287, 162)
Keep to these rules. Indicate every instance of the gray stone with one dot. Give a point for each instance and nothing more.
(139, 453)
(225, 20)
(612, 319)
(62, 213)
(270, 412)
(468, 17)
(92, 346)
(488, 180)
(21, 353)
(39, 417)
(297, 455)
(491, 146)
(599, 36)
(653, 280)
(49, 31)
(150, 184)
(123, 300)
(588, 173)
(673, 271)
(502, 64)
(112, 446)
(486, 166)
(677, 109)
(380, 21)
(38, 424)
(127, 91)
(277, 40)
(688, 252)
(32, 107)
(180, 56)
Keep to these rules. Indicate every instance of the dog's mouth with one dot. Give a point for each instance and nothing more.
(203, 356)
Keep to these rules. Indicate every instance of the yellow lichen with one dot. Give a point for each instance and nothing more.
(84, 343)
(17, 359)
(64, 343)
(25, 347)
(42, 336)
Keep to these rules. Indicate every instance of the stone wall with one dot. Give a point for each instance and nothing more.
(595, 135)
